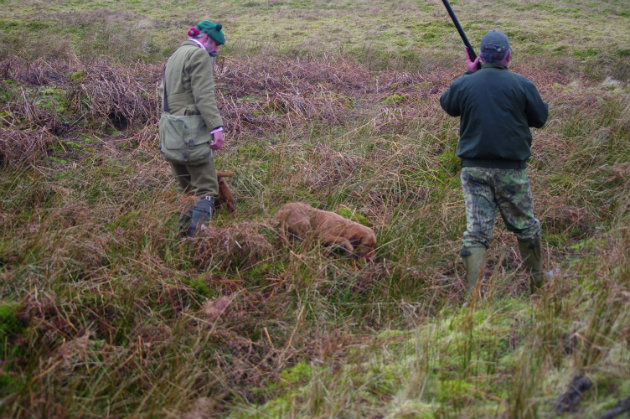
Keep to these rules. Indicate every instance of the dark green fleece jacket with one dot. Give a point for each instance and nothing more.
(496, 107)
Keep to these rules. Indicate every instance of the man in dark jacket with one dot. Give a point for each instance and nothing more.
(496, 107)
(191, 126)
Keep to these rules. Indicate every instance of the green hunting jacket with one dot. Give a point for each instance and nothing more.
(496, 107)
(189, 83)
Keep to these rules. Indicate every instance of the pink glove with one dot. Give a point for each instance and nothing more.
(218, 140)
(472, 66)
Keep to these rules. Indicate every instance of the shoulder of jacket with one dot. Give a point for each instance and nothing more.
(199, 55)
(189, 47)
(524, 81)
(462, 79)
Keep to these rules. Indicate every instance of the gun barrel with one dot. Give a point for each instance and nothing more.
(471, 50)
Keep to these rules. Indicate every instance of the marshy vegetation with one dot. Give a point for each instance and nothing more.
(105, 311)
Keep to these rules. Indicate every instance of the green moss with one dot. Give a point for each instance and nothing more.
(37, 25)
(395, 99)
(9, 25)
(585, 53)
(11, 384)
(78, 76)
(453, 391)
(10, 324)
(353, 215)
(9, 91)
(300, 373)
(200, 285)
(54, 99)
(449, 161)
(126, 221)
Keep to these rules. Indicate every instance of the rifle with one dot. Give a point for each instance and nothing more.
(471, 51)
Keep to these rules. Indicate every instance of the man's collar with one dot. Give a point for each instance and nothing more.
(494, 65)
(197, 42)
(193, 42)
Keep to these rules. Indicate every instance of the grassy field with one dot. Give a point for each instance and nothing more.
(106, 312)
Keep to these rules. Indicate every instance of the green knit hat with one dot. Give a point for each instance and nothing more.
(212, 29)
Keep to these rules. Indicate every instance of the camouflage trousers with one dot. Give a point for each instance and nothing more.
(485, 191)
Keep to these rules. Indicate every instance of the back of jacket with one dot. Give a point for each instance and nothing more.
(496, 107)
(190, 87)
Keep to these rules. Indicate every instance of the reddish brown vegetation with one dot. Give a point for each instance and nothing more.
(122, 95)
(18, 147)
(258, 97)
(240, 245)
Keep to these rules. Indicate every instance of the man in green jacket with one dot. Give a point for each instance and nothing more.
(191, 126)
(496, 107)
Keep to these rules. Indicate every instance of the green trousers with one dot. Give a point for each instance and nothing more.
(198, 179)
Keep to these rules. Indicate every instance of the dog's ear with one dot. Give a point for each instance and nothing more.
(361, 238)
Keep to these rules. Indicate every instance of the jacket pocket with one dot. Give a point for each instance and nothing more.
(184, 139)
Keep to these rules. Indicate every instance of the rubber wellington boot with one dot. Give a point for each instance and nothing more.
(531, 253)
(200, 214)
(183, 223)
(473, 260)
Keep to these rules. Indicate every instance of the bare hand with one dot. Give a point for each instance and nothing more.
(218, 140)
(472, 66)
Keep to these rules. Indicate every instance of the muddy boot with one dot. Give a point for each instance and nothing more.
(200, 214)
(531, 253)
(473, 260)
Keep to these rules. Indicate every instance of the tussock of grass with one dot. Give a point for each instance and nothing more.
(105, 91)
(238, 246)
(19, 147)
